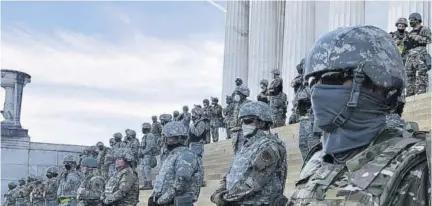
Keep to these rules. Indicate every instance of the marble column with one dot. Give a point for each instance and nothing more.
(236, 46)
(399, 9)
(264, 41)
(299, 37)
(346, 13)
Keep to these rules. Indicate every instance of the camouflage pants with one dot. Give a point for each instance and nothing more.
(305, 129)
(417, 76)
(207, 132)
(145, 168)
(51, 203)
(215, 133)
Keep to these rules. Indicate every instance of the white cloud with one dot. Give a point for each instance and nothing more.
(137, 65)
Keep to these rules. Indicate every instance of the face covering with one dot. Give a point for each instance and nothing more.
(68, 167)
(248, 130)
(49, 176)
(413, 24)
(364, 123)
(237, 98)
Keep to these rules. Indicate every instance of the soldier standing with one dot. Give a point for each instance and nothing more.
(263, 95)
(92, 186)
(186, 116)
(9, 199)
(102, 152)
(157, 131)
(122, 188)
(228, 115)
(399, 35)
(176, 116)
(278, 100)
(179, 179)
(68, 183)
(240, 98)
(197, 137)
(164, 118)
(21, 193)
(298, 85)
(360, 162)
(259, 169)
(133, 144)
(238, 83)
(36, 195)
(147, 153)
(206, 118)
(418, 59)
(50, 187)
(216, 119)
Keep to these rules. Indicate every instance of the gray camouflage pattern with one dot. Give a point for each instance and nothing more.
(257, 174)
(148, 148)
(278, 100)
(229, 120)
(68, 183)
(305, 131)
(216, 120)
(178, 175)
(91, 189)
(9, 199)
(236, 134)
(122, 189)
(36, 195)
(206, 117)
(50, 190)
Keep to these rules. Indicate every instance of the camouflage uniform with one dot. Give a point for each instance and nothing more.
(68, 183)
(165, 119)
(305, 129)
(206, 118)
(21, 193)
(196, 138)
(176, 116)
(229, 122)
(243, 92)
(278, 100)
(263, 95)
(399, 35)
(92, 186)
(314, 137)
(36, 195)
(50, 187)
(418, 60)
(157, 131)
(122, 189)
(148, 159)
(216, 119)
(133, 144)
(101, 157)
(259, 169)
(179, 180)
(298, 85)
(8, 197)
(109, 165)
(186, 117)
(378, 168)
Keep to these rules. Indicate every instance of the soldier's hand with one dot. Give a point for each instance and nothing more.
(398, 42)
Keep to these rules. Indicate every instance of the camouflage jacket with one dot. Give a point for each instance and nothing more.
(178, 175)
(50, 189)
(391, 171)
(206, 113)
(396, 35)
(417, 40)
(122, 189)
(275, 87)
(228, 114)
(22, 194)
(197, 131)
(148, 144)
(109, 157)
(68, 183)
(9, 199)
(236, 121)
(186, 119)
(37, 194)
(101, 157)
(258, 172)
(133, 144)
(156, 129)
(216, 116)
(91, 189)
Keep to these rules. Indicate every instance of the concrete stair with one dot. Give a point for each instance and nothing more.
(218, 156)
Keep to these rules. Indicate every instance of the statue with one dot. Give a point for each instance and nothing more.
(278, 100)
(262, 96)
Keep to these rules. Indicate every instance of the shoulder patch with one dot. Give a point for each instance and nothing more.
(266, 156)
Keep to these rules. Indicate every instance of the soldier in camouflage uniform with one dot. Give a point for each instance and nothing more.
(68, 183)
(8, 197)
(186, 116)
(216, 119)
(359, 163)
(206, 118)
(148, 152)
(228, 115)
(298, 85)
(102, 152)
(418, 59)
(165, 119)
(157, 130)
(394, 120)
(278, 100)
(240, 98)
(176, 116)
(399, 35)
(197, 136)
(50, 187)
(263, 95)
(122, 189)
(36, 195)
(133, 144)
(179, 178)
(259, 169)
(238, 83)
(115, 143)
(21, 194)
(85, 153)
(92, 186)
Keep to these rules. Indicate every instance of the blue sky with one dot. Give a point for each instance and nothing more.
(101, 67)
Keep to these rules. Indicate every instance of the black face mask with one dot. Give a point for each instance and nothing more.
(401, 30)
(49, 176)
(68, 167)
(173, 146)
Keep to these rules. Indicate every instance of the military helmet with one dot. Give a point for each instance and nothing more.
(69, 159)
(258, 109)
(197, 111)
(112, 140)
(239, 80)
(146, 125)
(52, 170)
(31, 177)
(300, 66)
(365, 48)
(124, 153)
(185, 107)
(402, 21)
(22, 181)
(12, 184)
(165, 117)
(206, 101)
(89, 162)
(98, 144)
(243, 90)
(415, 16)
(132, 133)
(176, 113)
(38, 179)
(118, 135)
(174, 129)
(275, 71)
(264, 81)
(154, 117)
(215, 99)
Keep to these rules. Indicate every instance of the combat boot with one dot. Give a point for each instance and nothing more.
(147, 186)
(203, 184)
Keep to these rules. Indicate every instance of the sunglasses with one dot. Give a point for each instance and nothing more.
(248, 120)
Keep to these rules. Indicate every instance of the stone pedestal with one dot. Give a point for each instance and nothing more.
(236, 46)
